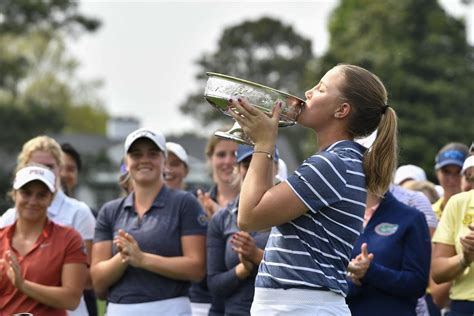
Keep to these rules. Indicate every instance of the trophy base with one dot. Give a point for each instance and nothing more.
(235, 134)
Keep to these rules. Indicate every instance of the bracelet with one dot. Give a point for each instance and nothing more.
(464, 263)
(269, 155)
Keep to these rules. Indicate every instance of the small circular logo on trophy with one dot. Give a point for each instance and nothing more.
(220, 88)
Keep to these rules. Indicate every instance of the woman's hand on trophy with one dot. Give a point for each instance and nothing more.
(260, 128)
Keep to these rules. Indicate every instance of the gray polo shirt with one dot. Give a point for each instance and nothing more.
(174, 214)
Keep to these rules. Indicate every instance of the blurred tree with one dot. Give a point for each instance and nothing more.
(422, 56)
(38, 76)
(264, 51)
(39, 92)
(20, 18)
(50, 85)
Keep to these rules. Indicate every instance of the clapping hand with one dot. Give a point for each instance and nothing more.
(467, 243)
(13, 270)
(208, 204)
(129, 248)
(358, 266)
(245, 246)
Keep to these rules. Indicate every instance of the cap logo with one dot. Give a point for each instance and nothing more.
(452, 154)
(143, 133)
(37, 171)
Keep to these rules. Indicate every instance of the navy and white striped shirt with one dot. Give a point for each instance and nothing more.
(314, 250)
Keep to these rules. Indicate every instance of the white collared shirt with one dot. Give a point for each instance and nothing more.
(65, 211)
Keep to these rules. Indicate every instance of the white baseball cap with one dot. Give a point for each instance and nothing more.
(367, 141)
(407, 172)
(468, 163)
(32, 173)
(156, 137)
(179, 151)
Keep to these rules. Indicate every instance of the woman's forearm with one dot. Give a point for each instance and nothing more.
(54, 296)
(225, 283)
(440, 293)
(106, 273)
(445, 269)
(178, 268)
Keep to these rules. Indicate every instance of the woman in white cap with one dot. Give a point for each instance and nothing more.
(149, 245)
(467, 181)
(63, 210)
(316, 215)
(43, 265)
(177, 166)
(407, 173)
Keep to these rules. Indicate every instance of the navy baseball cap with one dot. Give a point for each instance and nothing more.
(450, 157)
(245, 151)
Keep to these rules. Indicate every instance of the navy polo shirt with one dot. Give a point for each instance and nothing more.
(237, 294)
(174, 214)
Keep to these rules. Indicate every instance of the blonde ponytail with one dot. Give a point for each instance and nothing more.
(380, 160)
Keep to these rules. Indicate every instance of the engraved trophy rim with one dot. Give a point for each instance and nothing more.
(252, 83)
(219, 101)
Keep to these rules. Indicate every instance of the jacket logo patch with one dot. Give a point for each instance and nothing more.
(203, 219)
(386, 229)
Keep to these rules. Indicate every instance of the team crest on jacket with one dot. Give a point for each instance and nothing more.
(386, 229)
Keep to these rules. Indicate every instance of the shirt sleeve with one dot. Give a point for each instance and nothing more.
(221, 281)
(354, 290)
(319, 181)
(8, 218)
(445, 232)
(411, 280)
(192, 217)
(84, 222)
(421, 202)
(104, 225)
(75, 248)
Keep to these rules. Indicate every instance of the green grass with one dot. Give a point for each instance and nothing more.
(101, 307)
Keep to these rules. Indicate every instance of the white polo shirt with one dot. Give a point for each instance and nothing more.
(65, 211)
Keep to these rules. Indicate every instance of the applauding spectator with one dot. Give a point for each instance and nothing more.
(149, 245)
(233, 256)
(42, 264)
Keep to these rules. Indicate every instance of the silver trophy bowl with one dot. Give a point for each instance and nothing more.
(220, 88)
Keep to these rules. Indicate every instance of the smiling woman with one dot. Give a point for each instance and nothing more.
(26, 285)
(177, 166)
(149, 245)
